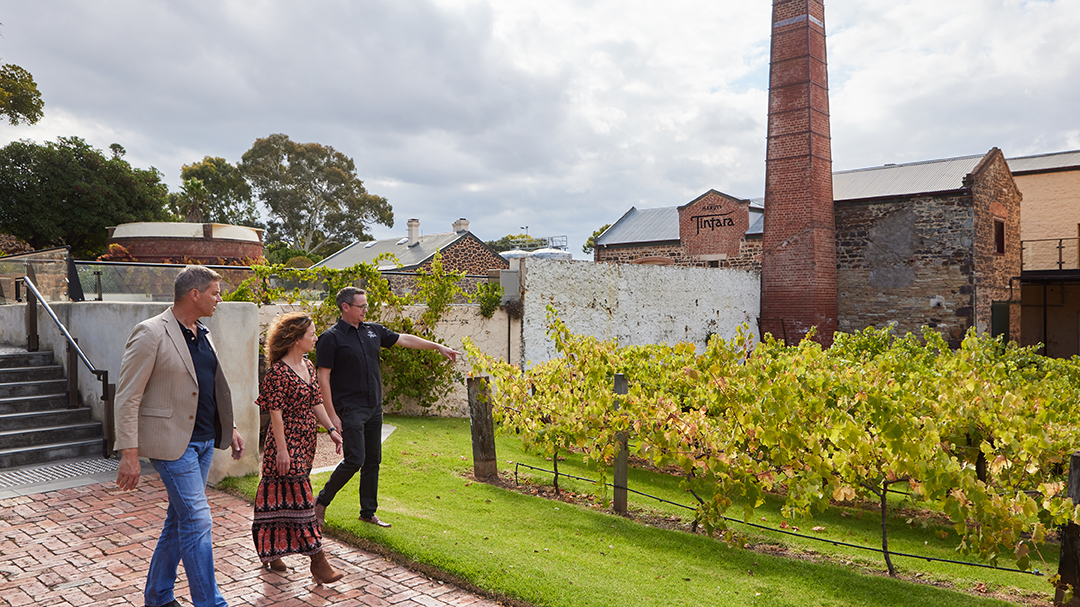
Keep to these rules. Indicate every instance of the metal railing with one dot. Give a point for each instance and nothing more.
(75, 353)
(1050, 254)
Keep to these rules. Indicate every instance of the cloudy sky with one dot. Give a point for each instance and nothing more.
(557, 115)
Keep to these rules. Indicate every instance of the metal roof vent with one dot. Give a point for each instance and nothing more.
(403, 240)
(371, 244)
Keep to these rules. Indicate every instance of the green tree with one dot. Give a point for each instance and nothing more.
(515, 241)
(229, 194)
(590, 244)
(20, 99)
(68, 193)
(191, 201)
(312, 193)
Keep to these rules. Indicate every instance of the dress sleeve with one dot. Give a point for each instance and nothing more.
(272, 391)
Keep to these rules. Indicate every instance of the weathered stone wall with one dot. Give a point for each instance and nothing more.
(749, 255)
(908, 262)
(634, 304)
(996, 199)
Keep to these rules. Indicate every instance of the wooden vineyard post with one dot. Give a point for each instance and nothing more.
(483, 428)
(1069, 564)
(619, 501)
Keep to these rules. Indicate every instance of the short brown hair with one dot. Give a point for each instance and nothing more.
(193, 277)
(347, 295)
(285, 330)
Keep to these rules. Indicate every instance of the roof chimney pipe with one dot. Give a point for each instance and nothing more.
(414, 232)
(461, 225)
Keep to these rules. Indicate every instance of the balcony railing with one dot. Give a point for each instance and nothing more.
(1050, 254)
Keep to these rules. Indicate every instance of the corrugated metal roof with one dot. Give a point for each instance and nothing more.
(1044, 162)
(367, 251)
(643, 225)
(904, 179)
(662, 224)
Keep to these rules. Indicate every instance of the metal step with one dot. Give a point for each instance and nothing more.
(47, 453)
(52, 434)
(33, 388)
(45, 419)
(26, 359)
(29, 374)
(29, 404)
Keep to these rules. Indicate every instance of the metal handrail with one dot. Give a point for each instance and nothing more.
(32, 346)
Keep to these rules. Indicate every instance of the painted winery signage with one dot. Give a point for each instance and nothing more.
(713, 225)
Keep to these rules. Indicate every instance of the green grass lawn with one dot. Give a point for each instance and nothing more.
(551, 553)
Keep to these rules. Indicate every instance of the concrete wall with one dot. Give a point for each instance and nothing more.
(103, 328)
(634, 304)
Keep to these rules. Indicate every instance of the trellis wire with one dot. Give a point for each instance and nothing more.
(784, 531)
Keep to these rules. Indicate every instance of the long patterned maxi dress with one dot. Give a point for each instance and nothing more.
(284, 520)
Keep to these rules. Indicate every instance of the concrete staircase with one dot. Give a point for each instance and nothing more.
(36, 425)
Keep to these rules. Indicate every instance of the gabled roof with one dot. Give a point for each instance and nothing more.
(904, 179)
(1057, 161)
(409, 256)
(661, 224)
(644, 225)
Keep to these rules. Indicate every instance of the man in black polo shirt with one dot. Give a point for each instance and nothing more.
(351, 384)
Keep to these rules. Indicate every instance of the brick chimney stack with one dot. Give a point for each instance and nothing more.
(798, 265)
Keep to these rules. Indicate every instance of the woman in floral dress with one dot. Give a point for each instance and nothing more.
(284, 520)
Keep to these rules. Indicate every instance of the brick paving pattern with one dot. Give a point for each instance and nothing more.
(91, 545)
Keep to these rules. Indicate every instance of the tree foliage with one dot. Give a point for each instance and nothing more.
(191, 201)
(515, 241)
(20, 100)
(421, 376)
(228, 195)
(68, 193)
(590, 244)
(312, 192)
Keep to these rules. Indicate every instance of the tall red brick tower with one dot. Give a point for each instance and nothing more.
(798, 264)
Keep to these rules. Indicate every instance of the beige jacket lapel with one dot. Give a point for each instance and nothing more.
(176, 336)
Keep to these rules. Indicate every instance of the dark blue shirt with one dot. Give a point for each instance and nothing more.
(352, 355)
(205, 360)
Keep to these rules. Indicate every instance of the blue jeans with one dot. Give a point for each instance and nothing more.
(186, 533)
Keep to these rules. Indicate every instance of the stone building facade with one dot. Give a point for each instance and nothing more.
(714, 230)
(460, 249)
(931, 243)
(940, 259)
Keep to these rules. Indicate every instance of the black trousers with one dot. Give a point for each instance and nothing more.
(361, 433)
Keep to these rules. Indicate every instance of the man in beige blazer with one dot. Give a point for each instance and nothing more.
(174, 407)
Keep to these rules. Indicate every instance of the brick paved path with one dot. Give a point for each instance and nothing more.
(91, 545)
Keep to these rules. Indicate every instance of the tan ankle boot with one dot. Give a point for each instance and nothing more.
(322, 571)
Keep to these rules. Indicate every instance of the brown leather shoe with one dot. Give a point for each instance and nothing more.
(320, 514)
(322, 571)
(375, 520)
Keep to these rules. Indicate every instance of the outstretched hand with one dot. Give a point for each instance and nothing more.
(448, 352)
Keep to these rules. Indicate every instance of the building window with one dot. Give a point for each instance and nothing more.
(999, 237)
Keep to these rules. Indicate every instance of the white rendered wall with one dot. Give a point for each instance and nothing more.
(635, 304)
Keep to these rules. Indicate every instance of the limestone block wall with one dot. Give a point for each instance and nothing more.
(634, 304)
(103, 328)
(907, 262)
